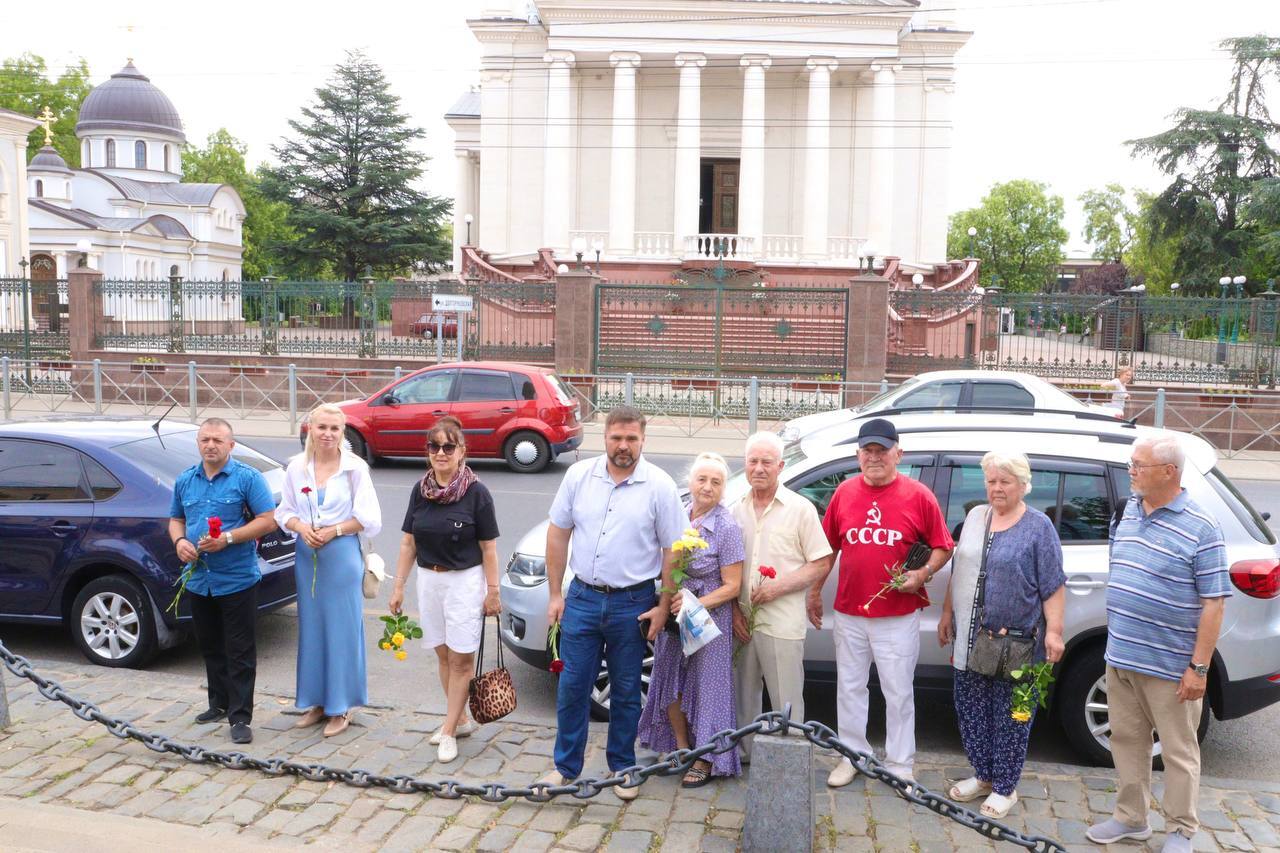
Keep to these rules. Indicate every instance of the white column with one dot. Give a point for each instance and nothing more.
(880, 220)
(557, 198)
(464, 203)
(688, 147)
(935, 172)
(751, 163)
(622, 158)
(817, 161)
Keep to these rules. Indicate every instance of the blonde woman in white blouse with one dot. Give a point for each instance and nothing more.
(329, 501)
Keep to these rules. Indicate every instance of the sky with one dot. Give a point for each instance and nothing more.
(1045, 89)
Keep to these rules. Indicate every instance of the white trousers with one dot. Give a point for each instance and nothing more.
(893, 643)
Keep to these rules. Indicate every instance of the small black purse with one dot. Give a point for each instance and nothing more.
(995, 654)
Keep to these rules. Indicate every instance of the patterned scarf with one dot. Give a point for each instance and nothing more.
(452, 493)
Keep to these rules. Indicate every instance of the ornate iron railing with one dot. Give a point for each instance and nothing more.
(735, 331)
(510, 320)
(33, 318)
(1201, 341)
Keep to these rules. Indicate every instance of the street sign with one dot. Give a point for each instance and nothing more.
(451, 302)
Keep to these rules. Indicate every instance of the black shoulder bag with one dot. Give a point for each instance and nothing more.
(994, 654)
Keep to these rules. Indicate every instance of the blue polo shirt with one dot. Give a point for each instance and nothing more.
(1163, 565)
(196, 499)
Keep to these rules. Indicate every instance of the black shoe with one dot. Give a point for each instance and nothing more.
(211, 716)
(241, 733)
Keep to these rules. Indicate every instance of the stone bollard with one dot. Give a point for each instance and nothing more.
(4, 703)
(779, 808)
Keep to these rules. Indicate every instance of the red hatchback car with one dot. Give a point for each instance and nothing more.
(524, 414)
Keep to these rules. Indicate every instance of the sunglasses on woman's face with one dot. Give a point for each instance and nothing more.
(447, 449)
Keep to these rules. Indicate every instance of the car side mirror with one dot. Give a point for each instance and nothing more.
(1266, 516)
(390, 399)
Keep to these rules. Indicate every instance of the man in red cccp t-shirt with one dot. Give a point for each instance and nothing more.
(872, 521)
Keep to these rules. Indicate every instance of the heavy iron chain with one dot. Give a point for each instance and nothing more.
(673, 763)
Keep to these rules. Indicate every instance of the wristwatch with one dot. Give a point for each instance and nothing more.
(1200, 669)
(230, 539)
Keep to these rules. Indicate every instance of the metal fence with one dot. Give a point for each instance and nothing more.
(366, 319)
(33, 318)
(1194, 340)
(1239, 424)
(722, 330)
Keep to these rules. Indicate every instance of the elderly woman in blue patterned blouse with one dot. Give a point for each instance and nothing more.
(1025, 590)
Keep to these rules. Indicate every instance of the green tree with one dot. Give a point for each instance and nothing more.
(265, 230)
(347, 178)
(27, 88)
(1019, 235)
(1108, 222)
(1151, 257)
(1218, 159)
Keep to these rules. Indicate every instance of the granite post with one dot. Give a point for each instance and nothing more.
(780, 808)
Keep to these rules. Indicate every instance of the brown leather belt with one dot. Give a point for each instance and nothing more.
(434, 568)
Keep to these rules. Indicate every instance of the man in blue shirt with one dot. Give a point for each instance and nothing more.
(623, 514)
(1167, 585)
(223, 587)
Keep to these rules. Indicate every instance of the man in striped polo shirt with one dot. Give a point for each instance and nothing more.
(1168, 583)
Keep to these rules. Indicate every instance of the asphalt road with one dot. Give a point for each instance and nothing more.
(1243, 748)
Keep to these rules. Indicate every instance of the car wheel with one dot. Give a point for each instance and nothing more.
(527, 452)
(358, 445)
(113, 624)
(1083, 708)
(601, 690)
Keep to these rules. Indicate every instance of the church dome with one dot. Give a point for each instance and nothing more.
(48, 160)
(128, 101)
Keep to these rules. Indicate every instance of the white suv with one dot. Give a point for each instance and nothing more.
(1079, 478)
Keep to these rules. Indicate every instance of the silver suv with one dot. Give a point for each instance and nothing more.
(1079, 478)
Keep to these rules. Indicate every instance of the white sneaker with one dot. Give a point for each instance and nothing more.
(842, 774)
(448, 749)
(465, 730)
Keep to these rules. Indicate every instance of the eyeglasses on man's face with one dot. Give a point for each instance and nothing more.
(1135, 466)
(446, 449)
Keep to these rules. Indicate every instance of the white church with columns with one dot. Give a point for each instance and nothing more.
(795, 135)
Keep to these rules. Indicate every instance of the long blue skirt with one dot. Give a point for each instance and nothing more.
(331, 644)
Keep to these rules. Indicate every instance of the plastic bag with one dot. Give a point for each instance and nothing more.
(697, 628)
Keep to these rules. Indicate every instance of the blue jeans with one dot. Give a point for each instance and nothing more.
(596, 626)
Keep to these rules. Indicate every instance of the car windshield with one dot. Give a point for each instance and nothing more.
(874, 402)
(178, 452)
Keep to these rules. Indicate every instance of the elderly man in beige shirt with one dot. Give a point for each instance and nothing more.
(781, 530)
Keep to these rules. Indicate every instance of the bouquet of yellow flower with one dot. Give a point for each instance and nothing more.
(398, 629)
(1032, 686)
(685, 547)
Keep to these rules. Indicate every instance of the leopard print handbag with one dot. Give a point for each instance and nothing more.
(492, 694)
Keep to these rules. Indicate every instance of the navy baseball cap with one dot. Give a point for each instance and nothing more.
(878, 431)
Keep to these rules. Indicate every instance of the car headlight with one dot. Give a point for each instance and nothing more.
(524, 570)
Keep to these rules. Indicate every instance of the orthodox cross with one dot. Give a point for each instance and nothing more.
(47, 118)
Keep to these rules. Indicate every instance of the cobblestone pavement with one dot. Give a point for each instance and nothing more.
(50, 756)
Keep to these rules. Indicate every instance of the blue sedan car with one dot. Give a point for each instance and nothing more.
(84, 542)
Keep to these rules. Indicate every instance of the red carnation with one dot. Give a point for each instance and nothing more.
(768, 572)
(557, 665)
(306, 490)
(215, 527)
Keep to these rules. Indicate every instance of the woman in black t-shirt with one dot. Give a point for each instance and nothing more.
(451, 532)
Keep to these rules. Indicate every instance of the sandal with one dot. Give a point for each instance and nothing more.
(997, 805)
(696, 777)
(337, 725)
(968, 789)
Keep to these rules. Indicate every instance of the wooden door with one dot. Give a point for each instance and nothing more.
(44, 292)
(724, 198)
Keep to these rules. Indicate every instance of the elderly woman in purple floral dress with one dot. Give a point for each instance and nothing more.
(691, 698)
